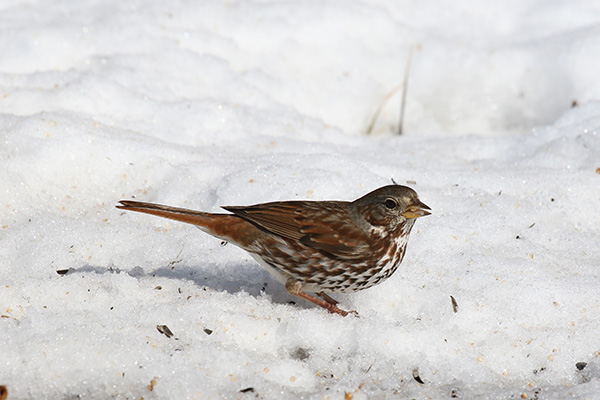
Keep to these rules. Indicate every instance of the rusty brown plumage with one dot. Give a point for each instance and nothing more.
(315, 246)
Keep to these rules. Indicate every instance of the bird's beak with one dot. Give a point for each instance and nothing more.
(417, 210)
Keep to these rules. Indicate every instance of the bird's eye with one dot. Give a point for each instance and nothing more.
(389, 203)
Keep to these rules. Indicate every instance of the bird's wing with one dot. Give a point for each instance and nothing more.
(324, 226)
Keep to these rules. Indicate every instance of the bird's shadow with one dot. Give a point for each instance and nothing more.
(232, 278)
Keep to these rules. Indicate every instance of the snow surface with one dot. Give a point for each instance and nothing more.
(202, 104)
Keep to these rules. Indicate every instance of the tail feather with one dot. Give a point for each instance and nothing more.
(224, 226)
(179, 214)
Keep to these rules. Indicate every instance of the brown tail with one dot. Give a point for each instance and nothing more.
(179, 214)
(224, 226)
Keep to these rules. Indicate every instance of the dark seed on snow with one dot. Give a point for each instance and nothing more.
(417, 377)
(164, 330)
(580, 365)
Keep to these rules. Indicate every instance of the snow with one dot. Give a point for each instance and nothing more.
(203, 104)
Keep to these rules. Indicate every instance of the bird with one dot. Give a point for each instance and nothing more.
(317, 247)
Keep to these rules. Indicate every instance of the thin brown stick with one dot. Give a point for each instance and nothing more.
(380, 108)
(390, 94)
(405, 86)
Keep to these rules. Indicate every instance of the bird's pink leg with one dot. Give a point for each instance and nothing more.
(328, 298)
(295, 288)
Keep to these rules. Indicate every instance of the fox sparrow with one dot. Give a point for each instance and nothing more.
(315, 246)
